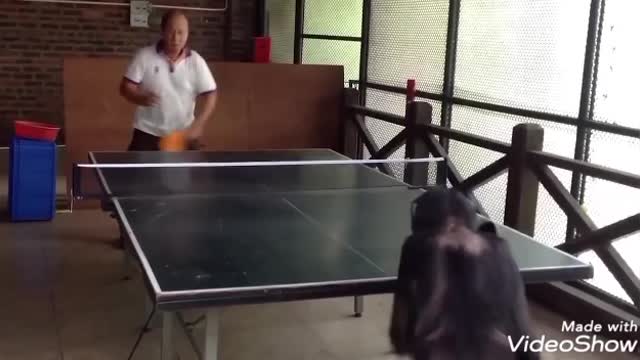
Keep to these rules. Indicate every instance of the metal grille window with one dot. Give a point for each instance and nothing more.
(383, 131)
(524, 54)
(559, 139)
(335, 18)
(333, 52)
(512, 62)
(618, 71)
(282, 18)
(407, 40)
(607, 202)
(332, 33)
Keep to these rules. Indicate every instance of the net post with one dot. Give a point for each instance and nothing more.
(418, 113)
(75, 182)
(522, 183)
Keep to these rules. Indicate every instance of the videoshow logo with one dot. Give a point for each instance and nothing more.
(582, 343)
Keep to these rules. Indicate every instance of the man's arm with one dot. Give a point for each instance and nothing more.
(207, 87)
(204, 111)
(134, 93)
(130, 87)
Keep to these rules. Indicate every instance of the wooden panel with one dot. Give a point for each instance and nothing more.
(301, 114)
(260, 106)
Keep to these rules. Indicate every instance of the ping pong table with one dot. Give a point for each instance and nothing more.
(208, 237)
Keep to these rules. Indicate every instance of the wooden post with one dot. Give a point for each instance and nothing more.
(351, 142)
(418, 113)
(522, 186)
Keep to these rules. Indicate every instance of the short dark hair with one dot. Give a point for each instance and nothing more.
(170, 15)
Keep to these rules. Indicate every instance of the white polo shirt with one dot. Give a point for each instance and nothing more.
(176, 86)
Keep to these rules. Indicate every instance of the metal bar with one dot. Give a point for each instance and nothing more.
(485, 175)
(450, 68)
(298, 31)
(168, 351)
(453, 174)
(364, 50)
(262, 27)
(562, 119)
(603, 236)
(468, 138)
(211, 334)
(586, 99)
(556, 118)
(330, 37)
(612, 128)
(593, 170)
(358, 306)
(228, 34)
(189, 336)
(403, 91)
(380, 115)
(394, 144)
(100, 3)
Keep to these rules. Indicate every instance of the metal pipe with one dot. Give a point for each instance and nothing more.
(83, 2)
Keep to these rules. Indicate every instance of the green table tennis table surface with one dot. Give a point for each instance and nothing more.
(212, 236)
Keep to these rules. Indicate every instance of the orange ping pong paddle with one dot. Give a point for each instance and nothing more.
(175, 141)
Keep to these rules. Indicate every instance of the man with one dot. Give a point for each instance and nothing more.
(165, 80)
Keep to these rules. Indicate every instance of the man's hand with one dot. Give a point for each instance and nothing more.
(137, 95)
(148, 98)
(203, 112)
(195, 131)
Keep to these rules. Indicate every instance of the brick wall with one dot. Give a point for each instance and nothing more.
(35, 37)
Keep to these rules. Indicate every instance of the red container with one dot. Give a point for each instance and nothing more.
(36, 130)
(262, 49)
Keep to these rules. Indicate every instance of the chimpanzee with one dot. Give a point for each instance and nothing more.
(459, 292)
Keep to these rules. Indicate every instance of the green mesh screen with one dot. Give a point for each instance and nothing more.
(618, 70)
(282, 18)
(607, 202)
(407, 41)
(618, 76)
(525, 54)
(334, 52)
(333, 17)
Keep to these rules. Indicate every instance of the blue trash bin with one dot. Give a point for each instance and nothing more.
(32, 179)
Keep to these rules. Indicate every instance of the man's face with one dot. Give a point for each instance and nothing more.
(176, 33)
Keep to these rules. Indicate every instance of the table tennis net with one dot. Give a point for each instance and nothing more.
(228, 178)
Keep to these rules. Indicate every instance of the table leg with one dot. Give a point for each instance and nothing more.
(358, 305)
(211, 334)
(168, 351)
(127, 262)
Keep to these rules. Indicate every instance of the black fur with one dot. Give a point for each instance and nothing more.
(459, 292)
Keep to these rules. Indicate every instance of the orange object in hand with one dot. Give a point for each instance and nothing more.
(175, 141)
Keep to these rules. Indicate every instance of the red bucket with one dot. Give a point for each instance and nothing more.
(36, 130)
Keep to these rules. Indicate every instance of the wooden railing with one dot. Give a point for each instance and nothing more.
(527, 166)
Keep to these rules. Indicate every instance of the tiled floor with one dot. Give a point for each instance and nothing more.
(62, 297)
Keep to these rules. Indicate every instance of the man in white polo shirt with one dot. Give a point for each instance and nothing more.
(165, 80)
